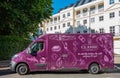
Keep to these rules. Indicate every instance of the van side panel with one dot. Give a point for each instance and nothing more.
(80, 50)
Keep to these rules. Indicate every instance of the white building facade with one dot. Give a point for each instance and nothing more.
(101, 15)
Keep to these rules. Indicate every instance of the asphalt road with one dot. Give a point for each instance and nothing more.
(114, 73)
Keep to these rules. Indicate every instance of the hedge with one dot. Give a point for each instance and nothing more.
(10, 45)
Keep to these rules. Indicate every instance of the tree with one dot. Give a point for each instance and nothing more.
(19, 17)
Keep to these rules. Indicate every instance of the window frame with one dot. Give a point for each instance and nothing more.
(55, 27)
(78, 23)
(112, 14)
(51, 28)
(112, 30)
(92, 20)
(101, 18)
(64, 16)
(111, 2)
(68, 14)
(64, 25)
(68, 24)
(47, 29)
(119, 13)
(84, 21)
(102, 30)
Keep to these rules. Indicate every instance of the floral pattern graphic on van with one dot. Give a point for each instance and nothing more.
(89, 45)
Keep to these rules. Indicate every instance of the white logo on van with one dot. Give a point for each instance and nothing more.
(56, 48)
(89, 47)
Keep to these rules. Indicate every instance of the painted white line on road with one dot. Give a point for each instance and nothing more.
(117, 67)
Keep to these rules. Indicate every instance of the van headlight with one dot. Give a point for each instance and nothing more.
(15, 56)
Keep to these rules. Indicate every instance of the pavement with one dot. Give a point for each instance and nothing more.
(117, 59)
(4, 63)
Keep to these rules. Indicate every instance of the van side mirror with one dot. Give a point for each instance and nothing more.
(34, 53)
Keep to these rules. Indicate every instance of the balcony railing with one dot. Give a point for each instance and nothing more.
(92, 12)
(85, 14)
(117, 35)
(100, 9)
(55, 21)
(79, 15)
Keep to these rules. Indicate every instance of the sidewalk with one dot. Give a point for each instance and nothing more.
(117, 59)
(5, 63)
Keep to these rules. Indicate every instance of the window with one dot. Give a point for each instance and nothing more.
(63, 15)
(59, 18)
(68, 14)
(68, 24)
(112, 30)
(47, 22)
(63, 25)
(36, 47)
(101, 30)
(92, 20)
(100, 6)
(78, 12)
(85, 10)
(51, 28)
(111, 2)
(51, 21)
(59, 26)
(55, 27)
(47, 29)
(119, 13)
(84, 22)
(78, 23)
(119, 30)
(92, 9)
(112, 15)
(101, 18)
(55, 20)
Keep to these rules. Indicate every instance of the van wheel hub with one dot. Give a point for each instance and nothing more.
(22, 69)
(94, 68)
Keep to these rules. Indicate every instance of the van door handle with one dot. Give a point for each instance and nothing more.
(64, 55)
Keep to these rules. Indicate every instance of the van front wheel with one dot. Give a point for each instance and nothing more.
(94, 68)
(22, 69)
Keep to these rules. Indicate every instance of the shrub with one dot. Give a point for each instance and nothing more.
(10, 45)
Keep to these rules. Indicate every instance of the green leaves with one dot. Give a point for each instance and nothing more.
(18, 17)
(11, 45)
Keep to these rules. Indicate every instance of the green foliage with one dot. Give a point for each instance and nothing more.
(19, 17)
(10, 45)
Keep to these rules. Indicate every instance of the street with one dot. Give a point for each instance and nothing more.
(5, 72)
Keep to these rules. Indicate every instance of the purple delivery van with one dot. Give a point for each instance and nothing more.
(92, 52)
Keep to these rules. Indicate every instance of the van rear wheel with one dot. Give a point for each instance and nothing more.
(94, 68)
(22, 69)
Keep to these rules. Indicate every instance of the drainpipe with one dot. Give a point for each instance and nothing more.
(74, 14)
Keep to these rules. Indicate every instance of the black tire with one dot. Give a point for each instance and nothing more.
(22, 69)
(94, 68)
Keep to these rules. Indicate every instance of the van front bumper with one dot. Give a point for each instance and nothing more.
(12, 65)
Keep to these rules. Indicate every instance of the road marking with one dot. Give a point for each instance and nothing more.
(117, 67)
(107, 77)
